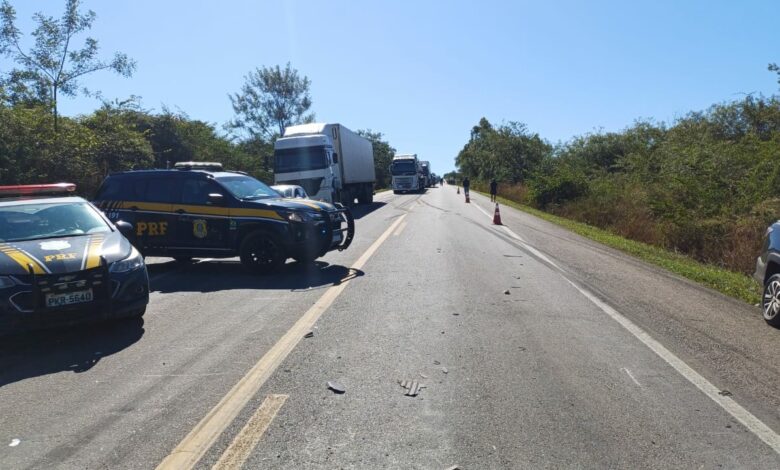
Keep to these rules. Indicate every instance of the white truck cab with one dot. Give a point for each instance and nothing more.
(329, 161)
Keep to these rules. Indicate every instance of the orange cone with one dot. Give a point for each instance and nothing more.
(497, 217)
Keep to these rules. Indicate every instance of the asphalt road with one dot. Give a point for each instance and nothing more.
(592, 359)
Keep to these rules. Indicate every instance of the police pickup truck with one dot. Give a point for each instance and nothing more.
(197, 210)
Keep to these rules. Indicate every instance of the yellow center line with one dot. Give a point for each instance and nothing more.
(248, 438)
(400, 229)
(192, 448)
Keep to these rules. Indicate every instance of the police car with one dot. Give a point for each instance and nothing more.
(197, 209)
(62, 261)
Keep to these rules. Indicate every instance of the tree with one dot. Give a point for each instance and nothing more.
(53, 66)
(775, 68)
(270, 100)
(383, 156)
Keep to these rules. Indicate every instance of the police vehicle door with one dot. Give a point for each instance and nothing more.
(202, 222)
(144, 202)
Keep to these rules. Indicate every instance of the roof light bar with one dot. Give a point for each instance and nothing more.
(213, 166)
(37, 189)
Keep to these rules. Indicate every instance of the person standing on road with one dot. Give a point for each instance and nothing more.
(466, 184)
(493, 190)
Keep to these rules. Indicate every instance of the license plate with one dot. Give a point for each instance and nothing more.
(78, 297)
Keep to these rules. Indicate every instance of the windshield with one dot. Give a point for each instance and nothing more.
(300, 159)
(403, 167)
(49, 220)
(246, 187)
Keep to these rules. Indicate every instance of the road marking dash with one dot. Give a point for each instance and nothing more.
(249, 436)
(632, 376)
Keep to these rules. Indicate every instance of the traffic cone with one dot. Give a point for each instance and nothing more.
(497, 217)
(458, 189)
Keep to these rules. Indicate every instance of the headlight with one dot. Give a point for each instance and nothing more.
(134, 261)
(298, 216)
(6, 281)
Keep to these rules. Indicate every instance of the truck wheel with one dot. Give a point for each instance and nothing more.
(261, 252)
(770, 301)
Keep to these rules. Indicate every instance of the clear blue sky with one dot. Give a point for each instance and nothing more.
(424, 72)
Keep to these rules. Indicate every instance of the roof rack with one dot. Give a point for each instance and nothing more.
(65, 189)
(209, 166)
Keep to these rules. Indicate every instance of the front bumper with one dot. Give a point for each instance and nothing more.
(115, 295)
(332, 230)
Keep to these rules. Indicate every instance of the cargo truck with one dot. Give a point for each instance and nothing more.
(406, 173)
(329, 161)
(427, 175)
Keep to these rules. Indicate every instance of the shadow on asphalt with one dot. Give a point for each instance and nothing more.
(69, 349)
(358, 212)
(222, 275)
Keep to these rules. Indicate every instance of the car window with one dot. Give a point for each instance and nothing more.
(196, 191)
(49, 220)
(160, 189)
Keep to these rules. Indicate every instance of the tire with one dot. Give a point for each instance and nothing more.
(261, 252)
(770, 301)
(135, 315)
(138, 313)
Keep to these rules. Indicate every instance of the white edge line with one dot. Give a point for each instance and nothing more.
(746, 418)
(756, 426)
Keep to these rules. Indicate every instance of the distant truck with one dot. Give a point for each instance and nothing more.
(406, 173)
(427, 175)
(329, 161)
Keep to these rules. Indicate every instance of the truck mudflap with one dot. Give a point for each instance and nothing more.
(344, 215)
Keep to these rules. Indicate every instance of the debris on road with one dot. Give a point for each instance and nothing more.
(423, 375)
(456, 314)
(445, 370)
(309, 335)
(725, 393)
(506, 292)
(436, 363)
(14, 443)
(412, 387)
(336, 387)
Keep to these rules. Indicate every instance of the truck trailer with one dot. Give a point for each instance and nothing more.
(329, 161)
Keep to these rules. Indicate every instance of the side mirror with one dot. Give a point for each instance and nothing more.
(125, 228)
(335, 157)
(216, 199)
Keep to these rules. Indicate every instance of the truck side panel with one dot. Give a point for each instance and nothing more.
(356, 157)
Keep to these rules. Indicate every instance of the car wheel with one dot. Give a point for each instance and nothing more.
(770, 300)
(261, 252)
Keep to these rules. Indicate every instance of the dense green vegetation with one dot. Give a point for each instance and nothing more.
(706, 185)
